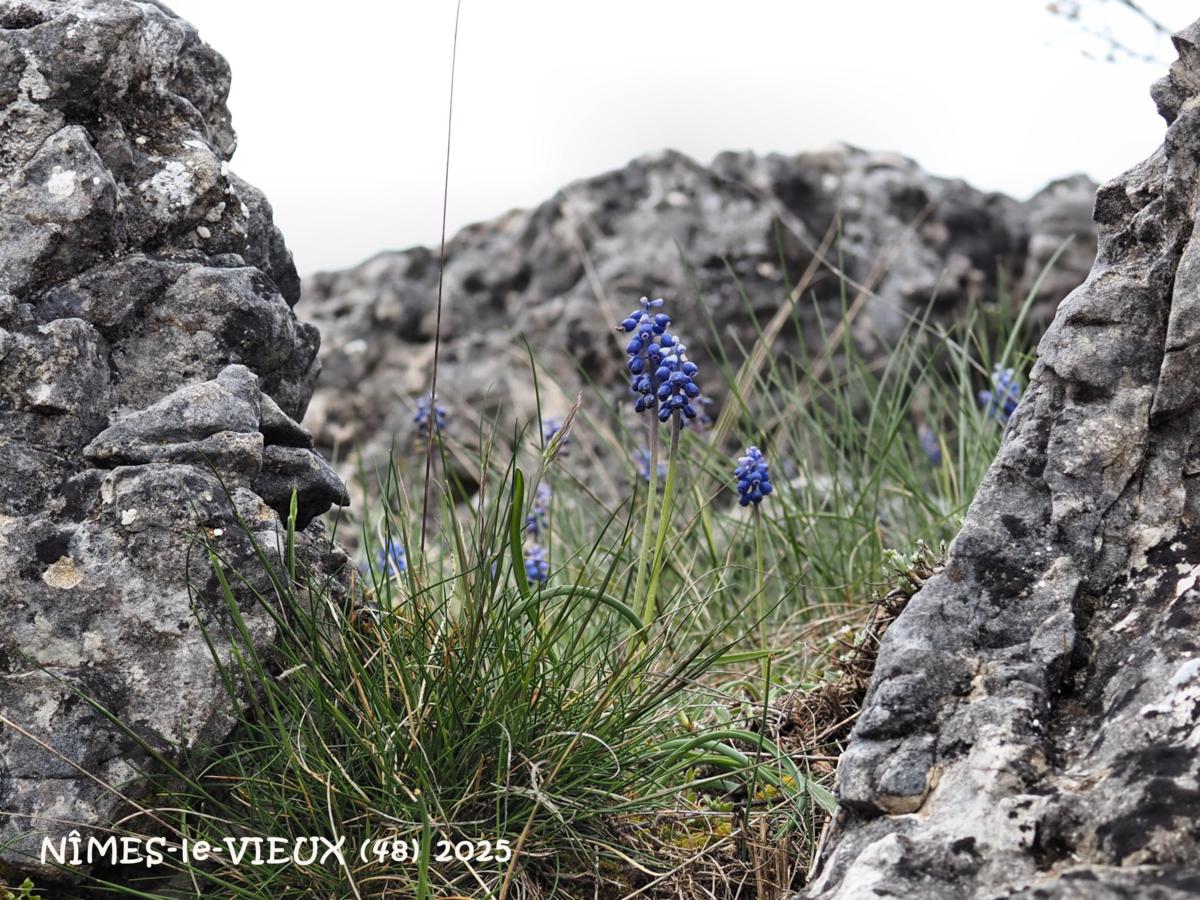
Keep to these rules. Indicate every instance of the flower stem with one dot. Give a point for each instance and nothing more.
(648, 523)
(650, 609)
(760, 592)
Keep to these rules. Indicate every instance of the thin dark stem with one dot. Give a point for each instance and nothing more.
(1139, 10)
(1072, 11)
(437, 328)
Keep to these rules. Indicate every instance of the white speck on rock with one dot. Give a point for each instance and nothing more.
(40, 394)
(61, 182)
(1184, 694)
(32, 84)
(175, 183)
(203, 231)
(1186, 673)
(128, 516)
(1126, 622)
(1188, 581)
(44, 714)
(93, 643)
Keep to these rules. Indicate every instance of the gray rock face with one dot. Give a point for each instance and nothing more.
(1033, 726)
(152, 374)
(720, 243)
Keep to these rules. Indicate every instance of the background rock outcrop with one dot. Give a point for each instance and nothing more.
(724, 243)
(1033, 725)
(152, 374)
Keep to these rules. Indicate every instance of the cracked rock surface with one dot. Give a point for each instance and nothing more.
(152, 377)
(1033, 725)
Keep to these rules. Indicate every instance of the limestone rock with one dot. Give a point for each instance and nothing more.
(152, 378)
(1033, 725)
(288, 469)
(175, 428)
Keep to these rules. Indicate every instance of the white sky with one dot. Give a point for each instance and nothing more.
(340, 107)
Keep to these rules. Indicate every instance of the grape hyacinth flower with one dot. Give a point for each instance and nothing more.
(677, 387)
(753, 479)
(663, 380)
(704, 417)
(645, 349)
(537, 565)
(1001, 402)
(661, 375)
(930, 444)
(429, 413)
(539, 516)
(390, 559)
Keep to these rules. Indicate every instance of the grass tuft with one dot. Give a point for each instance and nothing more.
(661, 714)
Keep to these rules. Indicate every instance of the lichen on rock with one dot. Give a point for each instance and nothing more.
(152, 378)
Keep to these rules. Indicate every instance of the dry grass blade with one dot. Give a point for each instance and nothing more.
(437, 330)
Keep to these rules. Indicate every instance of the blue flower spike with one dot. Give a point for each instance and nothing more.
(931, 446)
(677, 387)
(538, 519)
(753, 479)
(641, 459)
(556, 436)
(391, 559)
(429, 414)
(1001, 401)
(537, 564)
(661, 376)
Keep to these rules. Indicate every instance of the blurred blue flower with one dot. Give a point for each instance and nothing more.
(427, 412)
(550, 427)
(703, 414)
(930, 444)
(539, 515)
(641, 458)
(1001, 401)
(390, 559)
(753, 479)
(537, 565)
